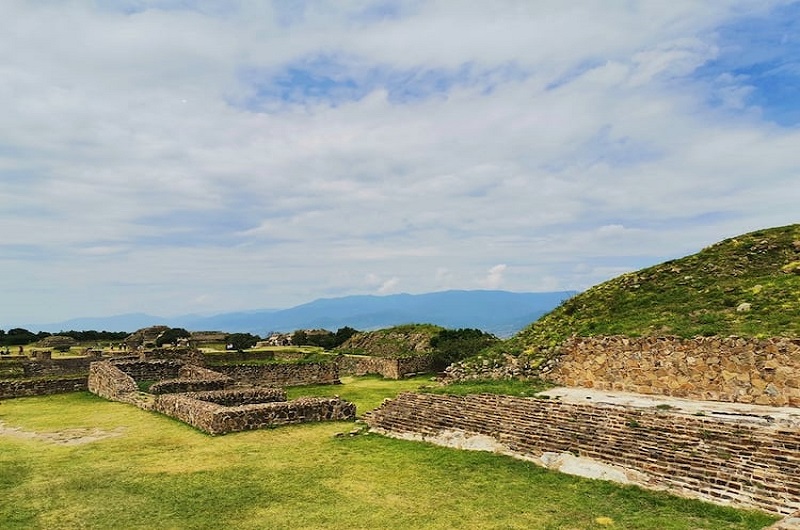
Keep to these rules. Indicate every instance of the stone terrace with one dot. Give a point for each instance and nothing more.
(217, 410)
(749, 459)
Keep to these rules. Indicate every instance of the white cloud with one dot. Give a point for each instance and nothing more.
(494, 278)
(142, 160)
(389, 286)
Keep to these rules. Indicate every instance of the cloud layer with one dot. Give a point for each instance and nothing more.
(176, 157)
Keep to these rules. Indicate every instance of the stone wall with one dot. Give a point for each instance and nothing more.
(390, 368)
(250, 396)
(752, 464)
(109, 381)
(236, 357)
(22, 366)
(173, 386)
(278, 374)
(218, 411)
(13, 388)
(204, 411)
(192, 378)
(58, 366)
(760, 371)
(155, 370)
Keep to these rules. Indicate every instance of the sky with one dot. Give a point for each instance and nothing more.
(204, 156)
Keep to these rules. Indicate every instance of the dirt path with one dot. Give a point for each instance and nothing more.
(65, 437)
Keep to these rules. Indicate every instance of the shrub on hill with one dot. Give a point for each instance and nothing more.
(322, 337)
(451, 345)
(746, 286)
(397, 341)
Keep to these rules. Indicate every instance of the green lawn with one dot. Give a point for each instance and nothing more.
(160, 473)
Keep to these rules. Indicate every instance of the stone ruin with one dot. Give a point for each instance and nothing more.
(209, 401)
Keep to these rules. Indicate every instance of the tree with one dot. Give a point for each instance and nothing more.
(242, 341)
(452, 345)
(299, 338)
(19, 337)
(342, 334)
(171, 336)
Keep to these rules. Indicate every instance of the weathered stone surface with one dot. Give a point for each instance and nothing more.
(232, 410)
(761, 371)
(388, 367)
(791, 522)
(290, 374)
(216, 411)
(13, 388)
(743, 463)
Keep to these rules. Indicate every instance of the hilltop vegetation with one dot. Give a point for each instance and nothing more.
(747, 285)
(397, 341)
(445, 345)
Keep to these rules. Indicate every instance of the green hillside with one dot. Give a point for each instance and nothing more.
(397, 341)
(747, 286)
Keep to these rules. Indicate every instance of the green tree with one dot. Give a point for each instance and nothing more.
(342, 334)
(171, 336)
(299, 338)
(19, 337)
(452, 345)
(242, 341)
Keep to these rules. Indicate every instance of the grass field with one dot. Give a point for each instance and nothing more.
(154, 472)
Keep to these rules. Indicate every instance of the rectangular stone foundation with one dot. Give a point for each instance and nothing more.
(227, 411)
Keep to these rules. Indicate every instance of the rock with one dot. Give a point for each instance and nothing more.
(743, 307)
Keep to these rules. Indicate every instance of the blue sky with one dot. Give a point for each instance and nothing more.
(201, 156)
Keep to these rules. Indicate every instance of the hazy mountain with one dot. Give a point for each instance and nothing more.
(500, 312)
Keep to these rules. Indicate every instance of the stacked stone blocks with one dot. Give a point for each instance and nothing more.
(745, 462)
(733, 369)
(217, 411)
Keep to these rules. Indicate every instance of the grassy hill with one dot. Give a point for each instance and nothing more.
(397, 341)
(747, 285)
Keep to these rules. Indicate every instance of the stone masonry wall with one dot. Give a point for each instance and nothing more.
(235, 356)
(747, 464)
(153, 370)
(192, 378)
(764, 372)
(390, 368)
(278, 374)
(214, 418)
(108, 381)
(12, 388)
(45, 367)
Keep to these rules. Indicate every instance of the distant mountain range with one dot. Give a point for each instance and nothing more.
(500, 312)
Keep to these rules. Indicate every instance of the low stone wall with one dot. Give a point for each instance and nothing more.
(192, 378)
(250, 396)
(154, 370)
(764, 372)
(174, 386)
(743, 463)
(13, 388)
(22, 366)
(107, 380)
(390, 368)
(279, 374)
(235, 357)
(203, 411)
(185, 355)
